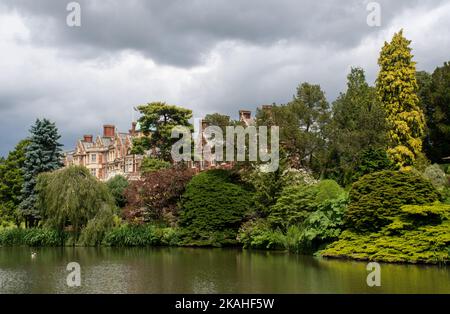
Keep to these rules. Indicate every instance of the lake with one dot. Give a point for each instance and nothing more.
(191, 270)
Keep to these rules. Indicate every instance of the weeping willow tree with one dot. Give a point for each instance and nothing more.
(71, 198)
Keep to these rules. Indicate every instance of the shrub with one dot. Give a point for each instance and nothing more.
(142, 235)
(117, 186)
(212, 209)
(12, 236)
(322, 226)
(436, 175)
(377, 197)
(150, 164)
(426, 214)
(328, 190)
(31, 237)
(297, 202)
(420, 234)
(257, 234)
(373, 160)
(43, 237)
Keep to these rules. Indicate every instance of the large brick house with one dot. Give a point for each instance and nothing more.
(107, 155)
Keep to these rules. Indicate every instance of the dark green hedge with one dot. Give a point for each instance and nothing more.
(377, 197)
(213, 208)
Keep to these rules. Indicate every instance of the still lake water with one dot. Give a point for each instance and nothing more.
(189, 270)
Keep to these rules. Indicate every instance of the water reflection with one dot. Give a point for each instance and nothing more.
(189, 270)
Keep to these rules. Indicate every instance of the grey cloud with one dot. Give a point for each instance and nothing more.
(181, 33)
(131, 52)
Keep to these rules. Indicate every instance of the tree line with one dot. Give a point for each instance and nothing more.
(338, 162)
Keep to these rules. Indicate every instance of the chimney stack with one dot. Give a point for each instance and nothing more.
(245, 115)
(204, 124)
(87, 138)
(108, 130)
(133, 128)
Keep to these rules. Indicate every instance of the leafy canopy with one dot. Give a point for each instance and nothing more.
(11, 183)
(157, 121)
(72, 197)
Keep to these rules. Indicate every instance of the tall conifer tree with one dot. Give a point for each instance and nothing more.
(397, 90)
(43, 154)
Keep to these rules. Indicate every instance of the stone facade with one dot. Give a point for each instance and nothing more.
(107, 155)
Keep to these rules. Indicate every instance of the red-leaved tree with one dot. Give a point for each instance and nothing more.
(154, 198)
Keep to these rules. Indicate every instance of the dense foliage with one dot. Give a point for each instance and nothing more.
(117, 186)
(11, 182)
(397, 89)
(155, 197)
(142, 235)
(31, 237)
(419, 234)
(369, 141)
(71, 197)
(377, 197)
(357, 129)
(150, 164)
(434, 93)
(213, 208)
(297, 202)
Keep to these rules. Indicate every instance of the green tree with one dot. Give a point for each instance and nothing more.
(43, 154)
(11, 183)
(213, 208)
(397, 90)
(434, 94)
(372, 160)
(117, 186)
(150, 164)
(358, 125)
(302, 125)
(219, 120)
(157, 121)
(307, 115)
(73, 197)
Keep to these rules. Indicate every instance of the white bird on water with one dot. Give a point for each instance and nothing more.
(33, 255)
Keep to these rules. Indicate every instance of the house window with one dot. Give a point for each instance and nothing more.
(93, 157)
(129, 166)
(94, 172)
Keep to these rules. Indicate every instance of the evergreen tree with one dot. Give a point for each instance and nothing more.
(157, 121)
(43, 154)
(11, 183)
(397, 90)
(434, 92)
(358, 125)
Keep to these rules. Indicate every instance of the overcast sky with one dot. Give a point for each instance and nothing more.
(206, 55)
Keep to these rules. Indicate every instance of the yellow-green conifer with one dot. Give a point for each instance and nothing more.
(397, 90)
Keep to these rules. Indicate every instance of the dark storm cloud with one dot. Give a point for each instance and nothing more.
(207, 55)
(181, 33)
